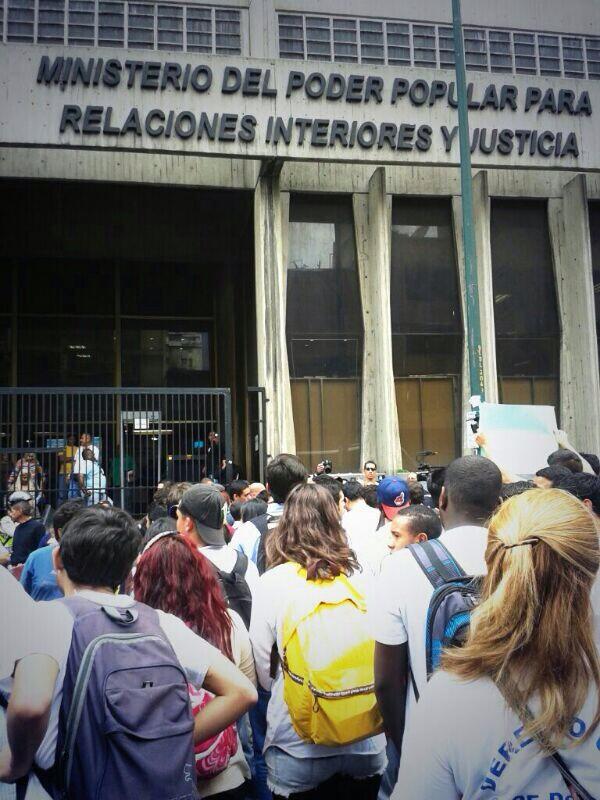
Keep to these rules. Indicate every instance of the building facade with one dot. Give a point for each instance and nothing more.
(268, 194)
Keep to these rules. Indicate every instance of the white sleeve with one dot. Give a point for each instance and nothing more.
(425, 769)
(195, 654)
(252, 577)
(241, 647)
(263, 628)
(77, 464)
(386, 601)
(238, 540)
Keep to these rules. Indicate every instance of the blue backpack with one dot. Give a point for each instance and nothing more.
(125, 725)
(455, 595)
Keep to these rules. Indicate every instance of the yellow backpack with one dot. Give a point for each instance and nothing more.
(327, 660)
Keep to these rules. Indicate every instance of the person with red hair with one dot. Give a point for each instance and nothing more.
(173, 576)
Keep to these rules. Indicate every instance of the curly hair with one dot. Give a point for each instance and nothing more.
(309, 533)
(174, 577)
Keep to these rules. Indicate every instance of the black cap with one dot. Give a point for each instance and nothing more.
(204, 504)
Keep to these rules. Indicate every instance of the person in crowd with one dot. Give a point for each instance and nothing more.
(29, 665)
(174, 495)
(172, 576)
(583, 486)
(565, 458)
(370, 496)
(95, 555)
(416, 492)
(238, 491)
(392, 494)
(547, 477)
(515, 488)
(413, 525)
(593, 461)
(253, 509)
(200, 517)
(369, 473)
(80, 464)
(66, 459)
(162, 525)
(334, 487)
(38, 577)
(309, 535)
(161, 494)
(562, 440)
(400, 604)
(283, 473)
(360, 519)
(435, 483)
(28, 476)
(92, 480)
(526, 684)
(235, 514)
(255, 489)
(28, 531)
(155, 511)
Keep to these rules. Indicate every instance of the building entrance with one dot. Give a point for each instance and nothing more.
(121, 287)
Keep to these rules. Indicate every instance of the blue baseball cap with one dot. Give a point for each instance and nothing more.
(392, 495)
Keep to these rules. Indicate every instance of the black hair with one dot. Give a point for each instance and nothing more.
(253, 508)
(156, 511)
(370, 495)
(369, 461)
(515, 488)
(236, 487)
(66, 512)
(566, 458)
(473, 485)
(283, 473)
(352, 490)
(422, 520)
(162, 525)
(235, 509)
(593, 461)
(264, 496)
(333, 486)
(416, 492)
(583, 486)
(98, 546)
(554, 473)
(435, 482)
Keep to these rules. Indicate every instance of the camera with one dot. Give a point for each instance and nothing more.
(327, 465)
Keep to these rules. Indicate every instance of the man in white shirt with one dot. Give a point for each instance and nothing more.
(200, 516)
(398, 612)
(360, 520)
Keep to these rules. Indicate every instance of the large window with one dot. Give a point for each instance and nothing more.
(595, 236)
(426, 328)
(324, 330)
(525, 309)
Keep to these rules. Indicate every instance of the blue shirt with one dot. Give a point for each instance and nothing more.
(38, 578)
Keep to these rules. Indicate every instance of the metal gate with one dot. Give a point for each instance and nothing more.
(123, 442)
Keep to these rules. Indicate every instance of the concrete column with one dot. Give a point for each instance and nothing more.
(572, 257)
(380, 438)
(271, 213)
(481, 213)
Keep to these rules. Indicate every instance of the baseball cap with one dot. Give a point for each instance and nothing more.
(392, 495)
(204, 505)
(15, 497)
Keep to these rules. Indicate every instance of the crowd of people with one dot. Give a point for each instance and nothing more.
(311, 638)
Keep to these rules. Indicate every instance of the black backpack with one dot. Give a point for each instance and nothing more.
(236, 590)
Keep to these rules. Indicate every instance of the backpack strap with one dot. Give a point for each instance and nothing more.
(241, 564)
(437, 562)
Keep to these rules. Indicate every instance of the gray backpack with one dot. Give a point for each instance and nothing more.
(125, 725)
(454, 597)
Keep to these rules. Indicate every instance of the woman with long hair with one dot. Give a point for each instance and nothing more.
(171, 575)
(307, 552)
(521, 699)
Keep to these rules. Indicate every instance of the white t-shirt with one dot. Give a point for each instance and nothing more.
(79, 464)
(398, 609)
(245, 540)
(462, 743)
(224, 556)
(268, 609)
(194, 654)
(237, 770)
(362, 520)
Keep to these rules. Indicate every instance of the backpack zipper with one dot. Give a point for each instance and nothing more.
(80, 691)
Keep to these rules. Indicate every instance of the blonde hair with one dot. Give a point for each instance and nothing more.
(534, 626)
